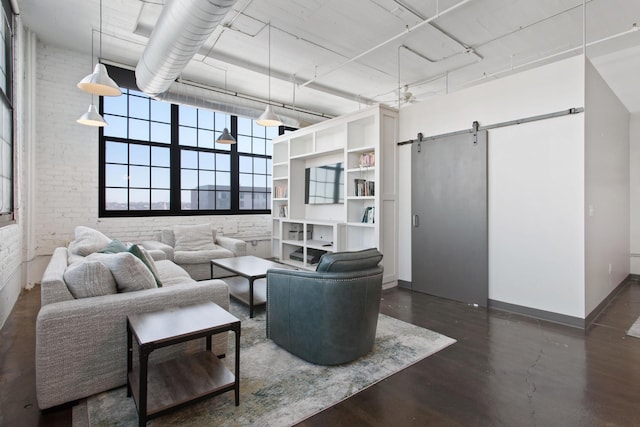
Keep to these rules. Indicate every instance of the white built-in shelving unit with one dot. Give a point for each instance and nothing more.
(365, 142)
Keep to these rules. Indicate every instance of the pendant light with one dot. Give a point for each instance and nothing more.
(99, 82)
(226, 137)
(269, 118)
(92, 117)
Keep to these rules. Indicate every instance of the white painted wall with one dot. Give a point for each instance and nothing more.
(535, 180)
(634, 191)
(606, 189)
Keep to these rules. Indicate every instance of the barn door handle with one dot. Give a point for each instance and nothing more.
(416, 221)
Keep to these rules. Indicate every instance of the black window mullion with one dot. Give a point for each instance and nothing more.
(175, 186)
(235, 168)
(102, 162)
(231, 204)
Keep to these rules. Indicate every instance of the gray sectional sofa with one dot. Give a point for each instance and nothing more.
(193, 247)
(86, 297)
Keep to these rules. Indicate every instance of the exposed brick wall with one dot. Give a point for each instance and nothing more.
(10, 268)
(67, 165)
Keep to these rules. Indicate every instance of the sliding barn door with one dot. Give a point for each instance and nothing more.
(449, 214)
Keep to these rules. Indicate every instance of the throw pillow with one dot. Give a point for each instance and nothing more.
(144, 256)
(130, 273)
(89, 279)
(194, 237)
(114, 247)
(87, 241)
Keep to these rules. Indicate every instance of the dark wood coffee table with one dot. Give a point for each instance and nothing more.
(161, 387)
(251, 268)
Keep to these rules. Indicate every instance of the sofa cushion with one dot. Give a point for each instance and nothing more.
(89, 279)
(114, 247)
(73, 258)
(203, 256)
(172, 274)
(340, 262)
(87, 241)
(194, 237)
(167, 237)
(130, 273)
(147, 260)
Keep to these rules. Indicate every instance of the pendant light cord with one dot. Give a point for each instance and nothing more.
(269, 61)
(100, 48)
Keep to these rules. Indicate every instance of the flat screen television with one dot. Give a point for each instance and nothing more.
(324, 184)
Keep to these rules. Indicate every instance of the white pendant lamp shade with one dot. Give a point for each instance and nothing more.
(269, 118)
(99, 83)
(226, 137)
(92, 118)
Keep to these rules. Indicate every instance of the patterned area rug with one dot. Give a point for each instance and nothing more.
(633, 331)
(277, 388)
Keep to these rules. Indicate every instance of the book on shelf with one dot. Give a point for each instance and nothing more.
(362, 187)
(281, 191)
(368, 216)
(284, 211)
(367, 159)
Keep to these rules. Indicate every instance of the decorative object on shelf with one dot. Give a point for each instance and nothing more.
(269, 118)
(367, 160)
(99, 82)
(284, 211)
(226, 137)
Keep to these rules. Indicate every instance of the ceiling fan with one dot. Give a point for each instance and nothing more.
(407, 97)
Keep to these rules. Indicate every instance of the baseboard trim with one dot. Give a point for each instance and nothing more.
(404, 284)
(549, 316)
(596, 311)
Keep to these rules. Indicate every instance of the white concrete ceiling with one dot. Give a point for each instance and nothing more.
(344, 54)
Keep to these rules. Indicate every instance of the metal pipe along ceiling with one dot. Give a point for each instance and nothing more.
(182, 28)
(201, 97)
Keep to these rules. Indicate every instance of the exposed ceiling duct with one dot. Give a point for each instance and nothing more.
(183, 26)
(232, 103)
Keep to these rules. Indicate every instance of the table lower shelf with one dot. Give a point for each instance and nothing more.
(239, 289)
(182, 380)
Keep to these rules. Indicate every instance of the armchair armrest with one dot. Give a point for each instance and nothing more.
(237, 246)
(153, 246)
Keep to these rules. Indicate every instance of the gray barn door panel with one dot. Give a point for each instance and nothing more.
(449, 231)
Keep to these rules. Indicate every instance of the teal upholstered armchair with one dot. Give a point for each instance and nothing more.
(328, 316)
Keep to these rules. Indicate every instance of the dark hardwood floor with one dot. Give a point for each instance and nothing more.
(505, 370)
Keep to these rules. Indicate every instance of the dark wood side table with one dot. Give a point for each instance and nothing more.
(160, 387)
